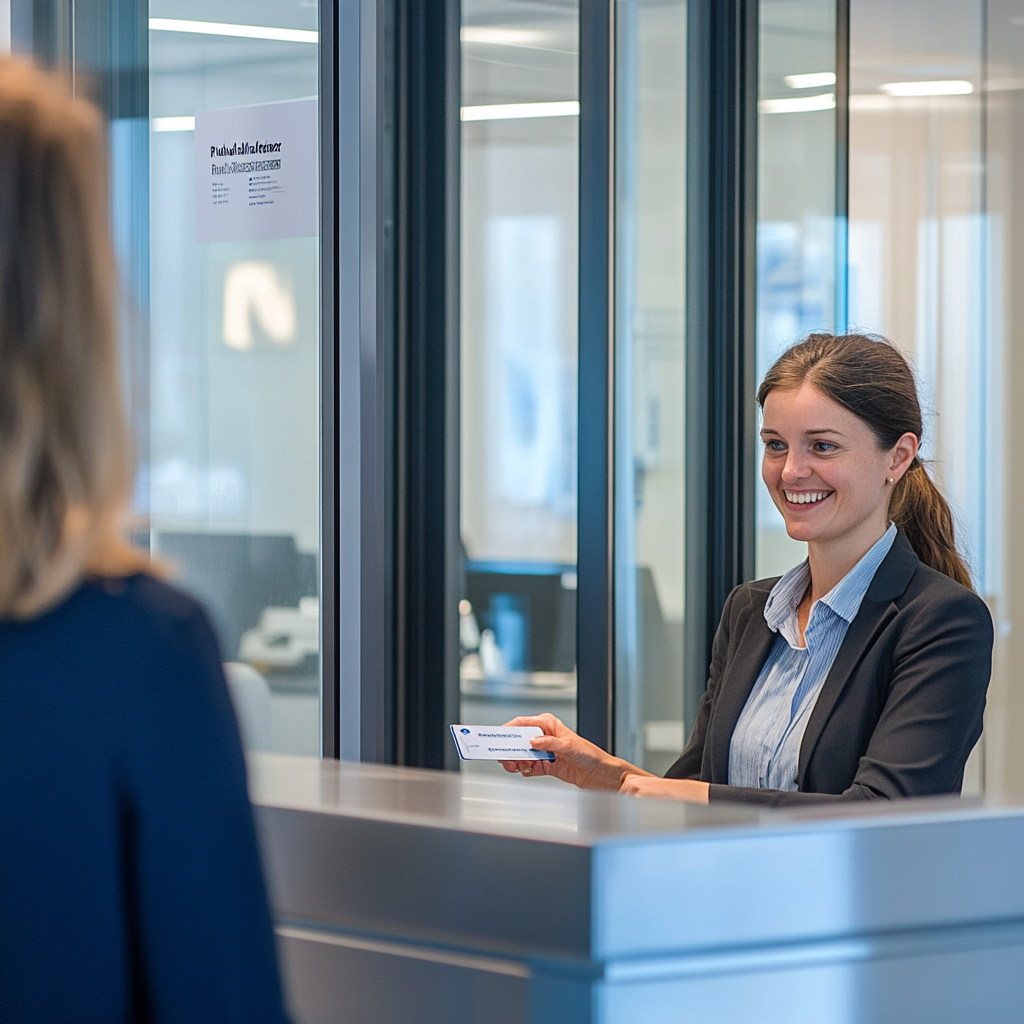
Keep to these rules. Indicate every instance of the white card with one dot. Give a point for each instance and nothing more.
(498, 743)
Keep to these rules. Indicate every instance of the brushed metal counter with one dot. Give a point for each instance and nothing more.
(407, 895)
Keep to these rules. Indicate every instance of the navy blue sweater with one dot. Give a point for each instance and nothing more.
(130, 883)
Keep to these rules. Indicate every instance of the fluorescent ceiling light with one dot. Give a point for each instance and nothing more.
(799, 104)
(174, 124)
(219, 28)
(507, 111)
(499, 36)
(814, 80)
(952, 87)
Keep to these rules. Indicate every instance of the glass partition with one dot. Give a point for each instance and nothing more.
(1002, 223)
(799, 266)
(233, 476)
(921, 268)
(518, 350)
(918, 229)
(650, 443)
(924, 257)
(215, 214)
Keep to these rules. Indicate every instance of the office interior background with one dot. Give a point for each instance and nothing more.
(486, 445)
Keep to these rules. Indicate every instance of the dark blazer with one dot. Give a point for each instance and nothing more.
(130, 883)
(900, 709)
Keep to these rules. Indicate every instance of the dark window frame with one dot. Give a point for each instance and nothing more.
(722, 66)
(423, 256)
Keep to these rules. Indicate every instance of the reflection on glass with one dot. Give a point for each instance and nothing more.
(519, 240)
(1001, 567)
(649, 379)
(917, 225)
(796, 206)
(232, 484)
(924, 254)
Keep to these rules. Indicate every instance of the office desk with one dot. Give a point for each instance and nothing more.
(403, 895)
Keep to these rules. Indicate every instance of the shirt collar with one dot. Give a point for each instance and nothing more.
(786, 595)
(844, 598)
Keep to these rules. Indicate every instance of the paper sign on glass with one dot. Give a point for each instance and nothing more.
(498, 743)
(257, 172)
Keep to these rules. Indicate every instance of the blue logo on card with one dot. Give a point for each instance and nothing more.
(465, 732)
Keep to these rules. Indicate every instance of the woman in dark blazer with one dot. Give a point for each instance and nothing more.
(130, 882)
(862, 673)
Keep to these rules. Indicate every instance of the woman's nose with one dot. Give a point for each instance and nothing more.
(795, 469)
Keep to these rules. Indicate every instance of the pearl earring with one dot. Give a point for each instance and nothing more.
(890, 479)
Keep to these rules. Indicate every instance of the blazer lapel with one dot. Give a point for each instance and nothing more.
(737, 681)
(891, 579)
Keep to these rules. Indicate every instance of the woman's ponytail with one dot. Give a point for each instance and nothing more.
(868, 376)
(918, 508)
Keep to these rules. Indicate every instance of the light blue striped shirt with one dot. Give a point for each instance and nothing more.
(765, 748)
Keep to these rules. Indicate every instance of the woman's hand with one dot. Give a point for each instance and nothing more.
(577, 761)
(690, 790)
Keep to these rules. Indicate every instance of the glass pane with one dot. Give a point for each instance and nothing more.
(519, 244)
(919, 237)
(232, 484)
(649, 379)
(796, 206)
(916, 221)
(999, 558)
(214, 210)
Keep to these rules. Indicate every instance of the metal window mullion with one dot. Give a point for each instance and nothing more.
(842, 198)
(427, 535)
(595, 624)
(720, 339)
(328, 398)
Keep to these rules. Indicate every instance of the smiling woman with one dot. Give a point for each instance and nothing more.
(861, 674)
(860, 390)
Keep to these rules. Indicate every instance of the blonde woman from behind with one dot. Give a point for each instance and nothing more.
(130, 883)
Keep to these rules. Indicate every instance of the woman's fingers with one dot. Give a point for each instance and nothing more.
(547, 742)
(547, 722)
(629, 786)
(527, 767)
(577, 761)
(566, 746)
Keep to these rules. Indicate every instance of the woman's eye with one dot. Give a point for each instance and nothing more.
(825, 447)
(774, 446)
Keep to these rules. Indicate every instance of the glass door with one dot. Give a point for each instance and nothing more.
(214, 140)
(649, 380)
(800, 256)
(518, 360)
(928, 173)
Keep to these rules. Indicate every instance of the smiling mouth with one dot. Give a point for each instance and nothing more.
(806, 497)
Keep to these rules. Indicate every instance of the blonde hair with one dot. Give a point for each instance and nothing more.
(65, 469)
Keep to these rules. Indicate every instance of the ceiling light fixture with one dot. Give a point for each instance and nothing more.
(798, 104)
(219, 28)
(499, 36)
(174, 124)
(510, 111)
(951, 87)
(814, 80)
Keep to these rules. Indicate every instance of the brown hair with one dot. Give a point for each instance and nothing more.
(65, 471)
(868, 376)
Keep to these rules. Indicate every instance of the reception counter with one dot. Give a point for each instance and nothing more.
(403, 895)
